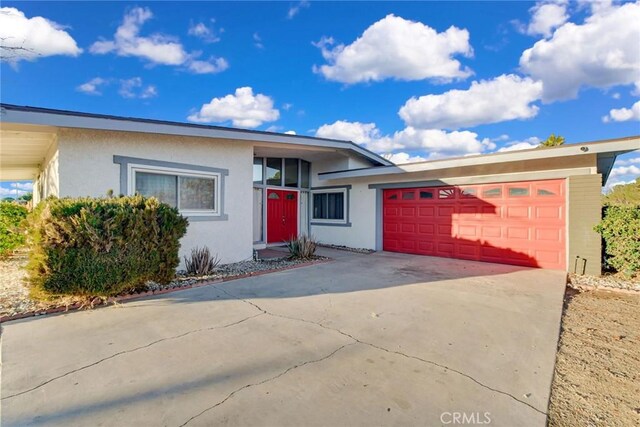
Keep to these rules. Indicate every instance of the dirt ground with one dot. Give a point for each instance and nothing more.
(597, 377)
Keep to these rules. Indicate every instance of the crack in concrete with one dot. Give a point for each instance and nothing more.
(431, 362)
(130, 351)
(273, 378)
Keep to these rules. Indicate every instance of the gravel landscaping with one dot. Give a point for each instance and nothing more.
(597, 374)
(347, 248)
(614, 281)
(15, 299)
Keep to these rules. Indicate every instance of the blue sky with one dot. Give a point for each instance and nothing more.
(414, 80)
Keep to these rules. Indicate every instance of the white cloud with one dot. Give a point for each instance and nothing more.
(290, 132)
(623, 114)
(507, 97)
(212, 66)
(527, 144)
(134, 88)
(156, 48)
(433, 142)
(243, 109)
(397, 48)
(295, 9)
(625, 170)
(602, 52)
(29, 38)
(207, 33)
(629, 161)
(360, 133)
(26, 186)
(92, 87)
(257, 41)
(402, 157)
(547, 16)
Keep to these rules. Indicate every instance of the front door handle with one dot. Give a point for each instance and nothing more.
(283, 220)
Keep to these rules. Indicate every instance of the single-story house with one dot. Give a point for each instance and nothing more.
(244, 189)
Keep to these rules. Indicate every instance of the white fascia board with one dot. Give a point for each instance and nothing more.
(614, 146)
(82, 121)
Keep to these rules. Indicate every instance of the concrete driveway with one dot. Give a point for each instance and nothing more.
(381, 339)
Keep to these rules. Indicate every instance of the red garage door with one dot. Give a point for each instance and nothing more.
(520, 223)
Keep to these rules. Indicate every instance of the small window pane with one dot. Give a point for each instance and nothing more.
(426, 194)
(393, 197)
(468, 192)
(408, 195)
(305, 175)
(447, 193)
(162, 187)
(274, 171)
(319, 206)
(274, 196)
(197, 193)
(328, 206)
(519, 191)
(291, 172)
(290, 197)
(257, 170)
(543, 192)
(492, 192)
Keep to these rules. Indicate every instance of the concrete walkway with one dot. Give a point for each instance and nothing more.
(381, 339)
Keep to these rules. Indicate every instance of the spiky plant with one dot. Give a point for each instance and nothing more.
(302, 247)
(201, 263)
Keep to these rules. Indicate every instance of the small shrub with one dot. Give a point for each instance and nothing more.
(102, 246)
(201, 263)
(620, 229)
(302, 247)
(12, 234)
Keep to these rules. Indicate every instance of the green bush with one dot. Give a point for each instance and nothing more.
(12, 235)
(102, 246)
(620, 229)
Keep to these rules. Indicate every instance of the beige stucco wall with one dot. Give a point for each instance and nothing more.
(584, 211)
(47, 182)
(86, 168)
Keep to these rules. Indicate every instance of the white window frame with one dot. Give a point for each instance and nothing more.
(134, 168)
(345, 206)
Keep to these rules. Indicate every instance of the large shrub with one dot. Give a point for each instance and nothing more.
(620, 229)
(12, 235)
(102, 246)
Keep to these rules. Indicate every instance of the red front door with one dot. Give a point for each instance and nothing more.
(282, 215)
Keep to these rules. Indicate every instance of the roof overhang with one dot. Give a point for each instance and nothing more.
(33, 116)
(606, 152)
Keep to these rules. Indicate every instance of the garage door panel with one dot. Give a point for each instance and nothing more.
(521, 223)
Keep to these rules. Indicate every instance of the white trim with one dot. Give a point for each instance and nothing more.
(616, 146)
(133, 168)
(317, 221)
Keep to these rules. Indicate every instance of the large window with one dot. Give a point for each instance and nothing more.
(279, 172)
(191, 194)
(330, 206)
(274, 171)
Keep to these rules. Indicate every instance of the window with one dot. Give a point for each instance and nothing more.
(329, 206)
(190, 193)
(543, 192)
(492, 192)
(257, 170)
(274, 171)
(426, 194)
(304, 176)
(468, 192)
(518, 191)
(447, 193)
(408, 195)
(291, 172)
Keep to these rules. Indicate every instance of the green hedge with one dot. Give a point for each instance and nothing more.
(620, 229)
(104, 246)
(12, 234)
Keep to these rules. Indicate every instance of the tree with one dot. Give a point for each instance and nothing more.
(26, 197)
(627, 194)
(552, 141)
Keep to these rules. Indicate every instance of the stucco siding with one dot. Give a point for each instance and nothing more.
(584, 206)
(48, 181)
(87, 168)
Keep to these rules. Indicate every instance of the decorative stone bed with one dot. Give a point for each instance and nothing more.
(15, 302)
(608, 281)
